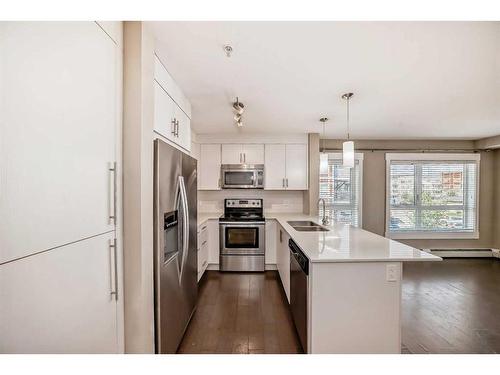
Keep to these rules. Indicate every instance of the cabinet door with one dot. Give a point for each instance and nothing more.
(253, 154)
(213, 241)
(232, 154)
(274, 168)
(270, 242)
(59, 83)
(209, 167)
(280, 236)
(60, 301)
(164, 115)
(296, 166)
(183, 137)
(285, 275)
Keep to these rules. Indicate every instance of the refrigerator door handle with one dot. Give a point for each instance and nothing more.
(185, 225)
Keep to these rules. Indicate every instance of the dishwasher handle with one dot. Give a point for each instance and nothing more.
(299, 256)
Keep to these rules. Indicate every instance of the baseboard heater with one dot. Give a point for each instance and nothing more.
(464, 253)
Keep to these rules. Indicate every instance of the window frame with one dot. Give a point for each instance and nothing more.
(437, 157)
(358, 156)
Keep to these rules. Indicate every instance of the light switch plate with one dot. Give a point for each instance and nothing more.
(392, 272)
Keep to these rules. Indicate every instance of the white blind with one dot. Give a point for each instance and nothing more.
(340, 187)
(432, 196)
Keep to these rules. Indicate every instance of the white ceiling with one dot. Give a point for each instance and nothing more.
(411, 80)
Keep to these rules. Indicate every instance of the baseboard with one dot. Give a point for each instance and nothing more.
(495, 253)
(461, 253)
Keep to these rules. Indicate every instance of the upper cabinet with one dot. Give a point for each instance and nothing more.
(209, 162)
(286, 167)
(172, 109)
(242, 154)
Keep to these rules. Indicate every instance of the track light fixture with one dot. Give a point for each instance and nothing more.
(238, 109)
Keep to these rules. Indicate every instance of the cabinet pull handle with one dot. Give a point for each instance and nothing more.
(173, 126)
(204, 242)
(240, 158)
(281, 236)
(287, 182)
(204, 263)
(112, 199)
(177, 128)
(245, 157)
(203, 228)
(114, 269)
(283, 182)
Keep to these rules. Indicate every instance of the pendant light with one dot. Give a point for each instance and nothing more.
(348, 146)
(323, 156)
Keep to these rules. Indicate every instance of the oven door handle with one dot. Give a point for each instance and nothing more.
(234, 224)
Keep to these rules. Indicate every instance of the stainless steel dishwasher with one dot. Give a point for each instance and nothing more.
(299, 275)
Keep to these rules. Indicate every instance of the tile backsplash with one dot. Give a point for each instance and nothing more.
(274, 201)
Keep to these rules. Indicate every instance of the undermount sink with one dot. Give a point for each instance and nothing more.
(303, 223)
(307, 226)
(311, 229)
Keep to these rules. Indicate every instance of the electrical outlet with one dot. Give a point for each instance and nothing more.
(391, 272)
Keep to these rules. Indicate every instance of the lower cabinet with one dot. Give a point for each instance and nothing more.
(271, 242)
(213, 241)
(61, 301)
(202, 249)
(283, 259)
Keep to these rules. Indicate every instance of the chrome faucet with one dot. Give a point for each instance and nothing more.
(325, 220)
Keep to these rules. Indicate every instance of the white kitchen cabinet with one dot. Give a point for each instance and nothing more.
(271, 242)
(296, 167)
(114, 30)
(253, 154)
(58, 134)
(172, 109)
(286, 167)
(275, 167)
(209, 167)
(183, 128)
(283, 259)
(60, 301)
(213, 241)
(163, 77)
(231, 154)
(164, 113)
(202, 249)
(242, 154)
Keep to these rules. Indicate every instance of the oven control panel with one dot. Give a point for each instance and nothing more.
(243, 203)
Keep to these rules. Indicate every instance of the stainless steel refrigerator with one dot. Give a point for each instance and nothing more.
(175, 233)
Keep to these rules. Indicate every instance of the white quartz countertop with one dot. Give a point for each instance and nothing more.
(204, 216)
(344, 243)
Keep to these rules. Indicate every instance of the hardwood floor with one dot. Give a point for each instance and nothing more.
(241, 313)
(451, 306)
(448, 307)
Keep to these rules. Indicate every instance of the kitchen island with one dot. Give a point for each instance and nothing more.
(354, 285)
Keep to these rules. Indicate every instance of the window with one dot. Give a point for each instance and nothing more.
(341, 188)
(432, 195)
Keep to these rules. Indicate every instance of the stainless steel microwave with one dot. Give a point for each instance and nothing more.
(242, 176)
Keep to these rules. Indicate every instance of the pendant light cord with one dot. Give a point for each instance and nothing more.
(348, 99)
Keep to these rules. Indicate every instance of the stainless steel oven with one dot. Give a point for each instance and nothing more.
(242, 236)
(242, 176)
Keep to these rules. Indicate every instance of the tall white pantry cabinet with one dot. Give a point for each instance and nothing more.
(60, 187)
